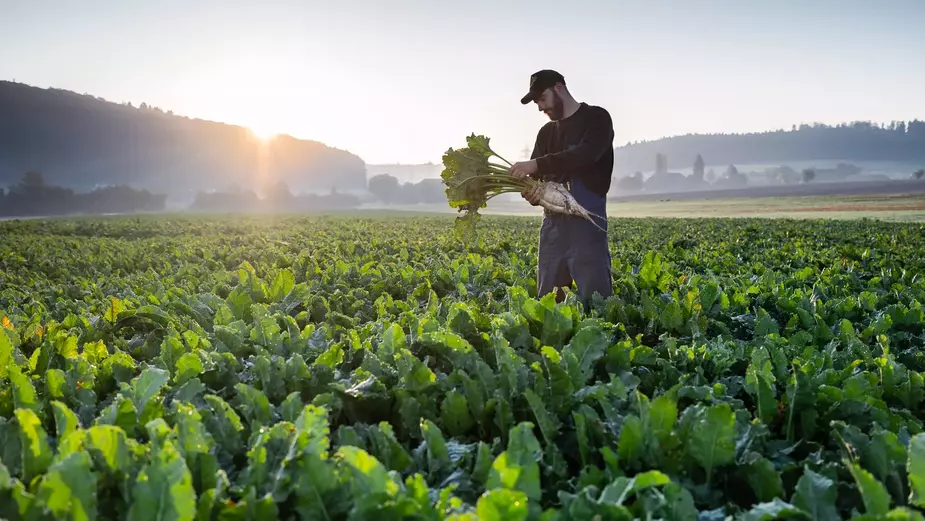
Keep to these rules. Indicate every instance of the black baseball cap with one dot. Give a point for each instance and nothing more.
(540, 81)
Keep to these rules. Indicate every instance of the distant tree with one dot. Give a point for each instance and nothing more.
(430, 191)
(710, 176)
(920, 173)
(32, 179)
(698, 168)
(731, 179)
(279, 193)
(385, 187)
(808, 175)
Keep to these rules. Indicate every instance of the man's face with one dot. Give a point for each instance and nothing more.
(550, 103)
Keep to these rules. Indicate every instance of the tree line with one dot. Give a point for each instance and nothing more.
(277, 198)
(32, 196)
(388, 190)
(858, 141)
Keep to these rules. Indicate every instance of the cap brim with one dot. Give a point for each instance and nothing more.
(535, 92)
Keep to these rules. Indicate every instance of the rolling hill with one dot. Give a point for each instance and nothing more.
(80, 141)
(856, 141)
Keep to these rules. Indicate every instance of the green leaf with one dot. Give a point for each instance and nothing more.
(393, 340)
(36, 453)
(113, 309)
(764, 324)
(712, 442)
(224, 424)
(764, 479)
(414, 374)
(549, 424)
(282, 285)
(121, 413)
(679, 504)
(333, 357)
(582, 433)
(437, 454)
(816, 495)
(319, 492)
(632, 441)
(254, 406)
(188, 366)
(370, 475)
(55, 384)
(5, 478)
(672, 318)
(386, 448)
(517, 468)
(6, 352)
(652, 274)
(776, 509)
(876, 499)
(709, 293)
(759, 380)
(269, 461)
(68, 490)
(617, 492)
(164, 489)
(291, 407)
(24, 396)
(582, 353)
(916, 470)
(455, 415)
(110, 445)
(659, 418)
(66, 421)
(145, 387)
(502, 505)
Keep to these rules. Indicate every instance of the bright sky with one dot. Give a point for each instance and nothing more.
(403, 80)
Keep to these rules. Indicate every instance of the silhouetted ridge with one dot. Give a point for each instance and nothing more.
(80, 142)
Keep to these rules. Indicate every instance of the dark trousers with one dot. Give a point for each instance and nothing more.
(572, 248)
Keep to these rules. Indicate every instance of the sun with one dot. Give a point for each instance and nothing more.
(262, 133)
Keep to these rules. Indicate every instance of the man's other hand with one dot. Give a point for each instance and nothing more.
(522, 169)
(532, 195)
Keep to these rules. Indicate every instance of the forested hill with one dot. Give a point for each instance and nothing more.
(859, 141)
(79, 141)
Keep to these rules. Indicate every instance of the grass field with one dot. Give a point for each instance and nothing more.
(883, 207)
(181, 367)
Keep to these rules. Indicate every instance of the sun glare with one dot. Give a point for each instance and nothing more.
(262, 133)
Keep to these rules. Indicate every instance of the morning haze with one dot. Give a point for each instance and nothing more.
(363, 86)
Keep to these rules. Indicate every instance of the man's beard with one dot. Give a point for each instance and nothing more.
(557, 110)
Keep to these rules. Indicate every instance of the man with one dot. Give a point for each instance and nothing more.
(574, 148)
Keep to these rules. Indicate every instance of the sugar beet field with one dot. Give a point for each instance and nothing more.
(332, 368)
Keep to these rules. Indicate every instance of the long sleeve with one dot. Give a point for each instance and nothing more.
(596, 139)
(539, 147)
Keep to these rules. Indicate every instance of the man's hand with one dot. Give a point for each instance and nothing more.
(532, 195)
(523, 169)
